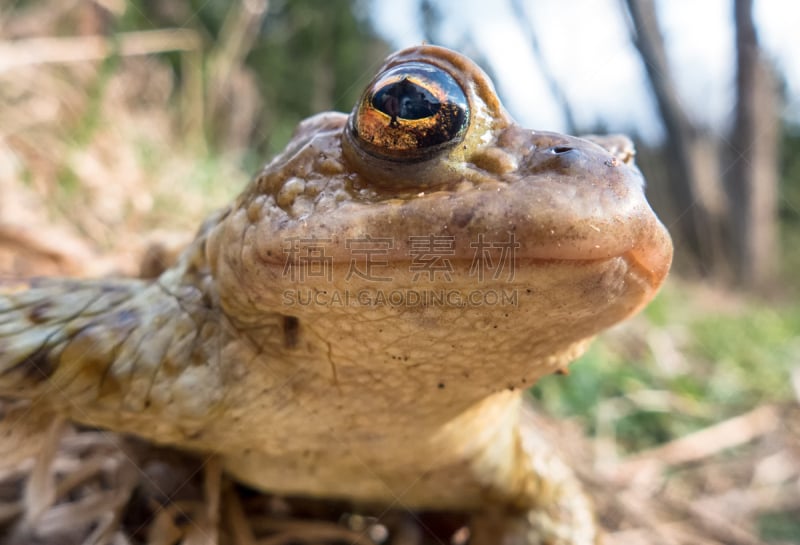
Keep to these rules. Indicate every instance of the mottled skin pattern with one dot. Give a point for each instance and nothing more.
(236, 351)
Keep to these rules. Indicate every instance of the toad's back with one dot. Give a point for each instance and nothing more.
(361, 321)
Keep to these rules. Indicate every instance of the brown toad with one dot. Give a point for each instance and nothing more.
(363, 320)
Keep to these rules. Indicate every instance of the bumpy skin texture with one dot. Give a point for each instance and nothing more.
(305, 381)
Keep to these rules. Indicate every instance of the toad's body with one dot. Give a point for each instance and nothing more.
(361, 322)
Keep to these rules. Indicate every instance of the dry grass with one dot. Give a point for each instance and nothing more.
(109, 185)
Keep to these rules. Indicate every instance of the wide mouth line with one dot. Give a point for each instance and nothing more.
(388, 262)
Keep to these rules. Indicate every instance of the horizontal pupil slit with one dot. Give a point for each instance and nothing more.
(406, 100)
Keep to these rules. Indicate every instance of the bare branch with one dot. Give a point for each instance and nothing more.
(553, 84)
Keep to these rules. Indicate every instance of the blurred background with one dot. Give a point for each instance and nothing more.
(124, 122)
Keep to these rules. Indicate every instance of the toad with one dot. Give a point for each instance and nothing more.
(363, 320)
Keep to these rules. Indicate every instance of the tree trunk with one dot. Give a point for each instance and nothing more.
(752, 172)
(556, 90)
(691, 161)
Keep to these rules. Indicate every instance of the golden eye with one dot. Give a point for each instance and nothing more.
(410, 112)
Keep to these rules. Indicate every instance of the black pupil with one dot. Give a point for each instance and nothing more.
(426, 107)
(406, 100)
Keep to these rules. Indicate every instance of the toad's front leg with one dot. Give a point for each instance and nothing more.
(560, 514)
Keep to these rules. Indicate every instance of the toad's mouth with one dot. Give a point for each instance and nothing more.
(650, 264)
(648, 257)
